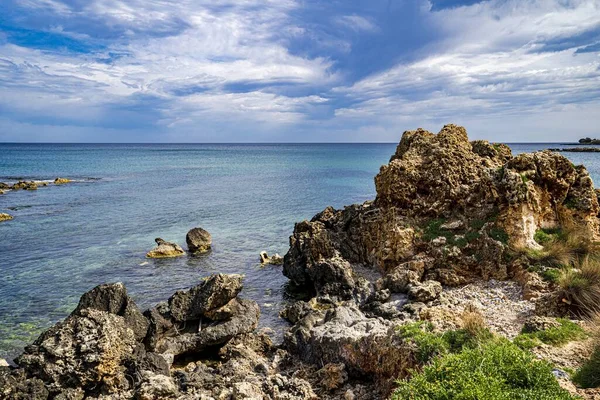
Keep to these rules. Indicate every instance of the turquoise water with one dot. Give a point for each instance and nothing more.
(65, 240)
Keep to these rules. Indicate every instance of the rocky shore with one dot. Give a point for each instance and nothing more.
(464, 256)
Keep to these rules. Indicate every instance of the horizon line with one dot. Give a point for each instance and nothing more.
(272, 143)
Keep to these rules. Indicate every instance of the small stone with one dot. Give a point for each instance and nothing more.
(165, 249)
(5, 217)
(3, 362)
(275, 259)
(452, 225)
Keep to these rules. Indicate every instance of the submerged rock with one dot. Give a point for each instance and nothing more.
(198, 240)
(5, 217)
(165, 249)
(23, 185)
(275, 259)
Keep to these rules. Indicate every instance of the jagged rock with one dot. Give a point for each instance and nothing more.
(156, 386)
(159, 326)
(16, 385)
(214, 292)
(87, 350)
(332, 376)
(61, 181)
(165, 250)
(295, 311)
(22, 185)
(458, 204)
(275, 259)
(345, 335)
(245, 321)
(113, 298)
(4, 186)
(5, 217)
(198, 240)
(425, 291)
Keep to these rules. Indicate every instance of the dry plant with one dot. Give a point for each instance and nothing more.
(472, 320)
(580, 286)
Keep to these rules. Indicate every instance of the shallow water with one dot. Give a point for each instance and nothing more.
(66, 239)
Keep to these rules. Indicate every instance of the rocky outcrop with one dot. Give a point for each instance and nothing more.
(198, 240)
(275, 259)
(165, 249)
(107, 347)
(5, 217)
(446, 210)
(61, 181)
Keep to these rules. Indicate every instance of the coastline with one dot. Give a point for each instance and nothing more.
(373, 272)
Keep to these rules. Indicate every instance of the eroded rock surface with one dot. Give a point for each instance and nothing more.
(198, 240)
(5, 217)
(165, 249)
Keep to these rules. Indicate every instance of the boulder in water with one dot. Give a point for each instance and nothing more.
(61, 181)
(165, 249)
(198, 240)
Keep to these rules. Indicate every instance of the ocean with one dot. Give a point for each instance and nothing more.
(64, 240)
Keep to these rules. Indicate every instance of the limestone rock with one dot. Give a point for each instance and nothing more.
(198, 240)
(275, 259)
(536, 324)
(345, 335)
(425, 291)
(15, 385)
(61, 181)
(245, 321)
(214, 292)
(113, 298)
(23, 185)
(5, 217)
(87, 350)
(165, 250)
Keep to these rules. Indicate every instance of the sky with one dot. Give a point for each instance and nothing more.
(297, 70)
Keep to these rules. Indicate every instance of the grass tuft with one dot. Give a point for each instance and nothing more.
(580, 287)
(558, 336)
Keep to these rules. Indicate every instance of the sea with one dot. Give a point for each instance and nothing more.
(65, 240)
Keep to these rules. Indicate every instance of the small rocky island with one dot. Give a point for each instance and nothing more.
(588, 140)
(472, 274)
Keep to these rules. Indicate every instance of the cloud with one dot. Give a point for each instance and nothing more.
(291, 70)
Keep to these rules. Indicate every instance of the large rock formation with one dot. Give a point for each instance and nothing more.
(447, 210)
(107, 347)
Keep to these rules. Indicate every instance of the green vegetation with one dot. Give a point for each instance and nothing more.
(588, 376)
(551, 275)
(434, 230)
(499, 235)
(496, 370)
(566, 332)
(524, 178)
(545, 236)
(428, 344)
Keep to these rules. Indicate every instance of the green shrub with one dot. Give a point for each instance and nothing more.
(498, 370)
(499, 235)
(428, 344)
(543, 236)
(434, 230)
(550, 275)
(566, 332)
(588, 376)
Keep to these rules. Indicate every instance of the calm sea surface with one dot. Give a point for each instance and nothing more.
(65, 240)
